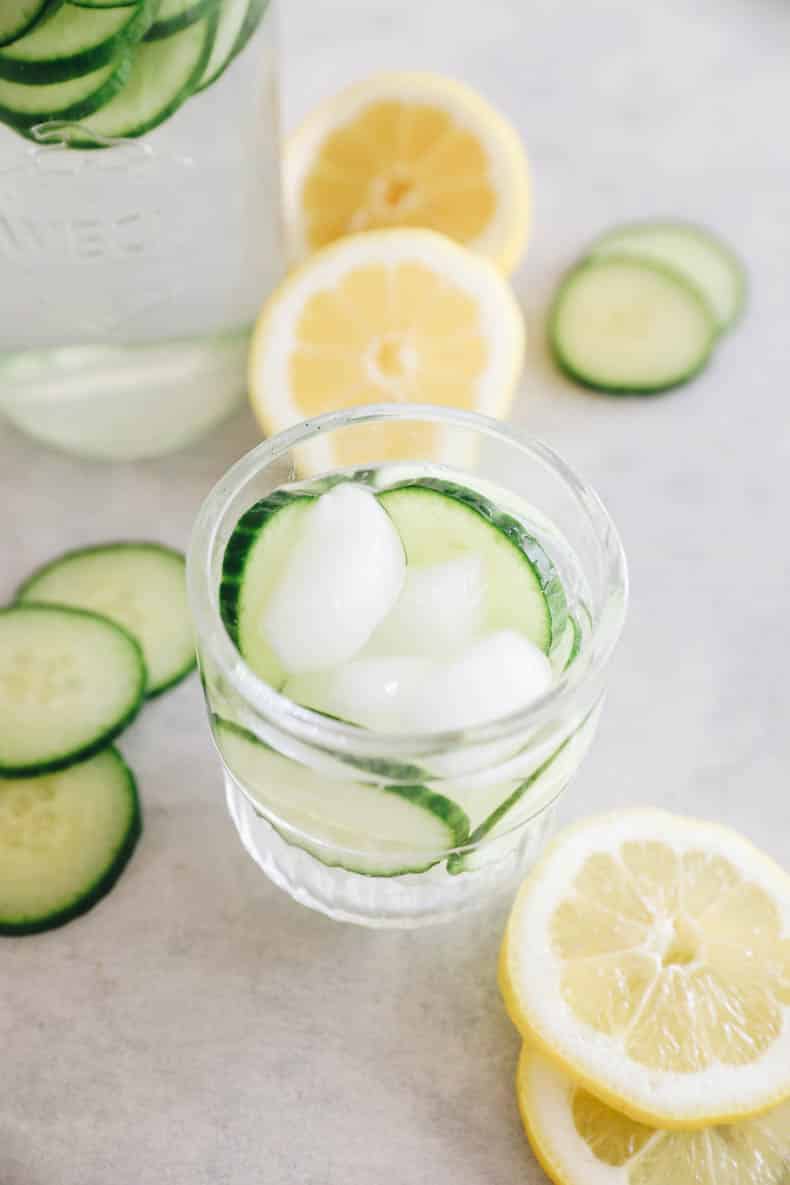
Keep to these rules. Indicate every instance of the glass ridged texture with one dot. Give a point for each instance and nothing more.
(139, 218)
(372, 876)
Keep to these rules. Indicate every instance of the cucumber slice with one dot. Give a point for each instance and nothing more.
(374, 830)
(255, 14)
(568, 647)
(438, 520)
(65, 838)
(103, 3)
(238, 21)
(175, 15)
(140, 586)
(576, 644)
(70, 682)
(626, 326)
(75, 41)
(163, 76)
(693, 252)
(254, 560)
(500, 805)
(22, 106)
(18, 17)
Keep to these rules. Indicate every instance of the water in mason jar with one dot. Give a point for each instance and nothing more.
(134, 262)
(407, 600)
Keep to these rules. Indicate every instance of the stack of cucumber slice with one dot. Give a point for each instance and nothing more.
(642, 311)
(113, 68)
(88, 638)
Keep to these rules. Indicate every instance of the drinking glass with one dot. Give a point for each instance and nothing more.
(527, 758)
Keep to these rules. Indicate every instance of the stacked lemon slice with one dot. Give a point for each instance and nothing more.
(407, 204)
(647, 964)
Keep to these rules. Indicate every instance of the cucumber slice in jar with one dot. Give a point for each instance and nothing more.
(254, 560)
(22, 106)
(175, 15)
(438, 520)
(75, 41)
(65, 838)
(367, 828)
(627, 326)
(693, 252)
(238, 20)
(18, 17)
(140, 586)
(163, 76)
(70, 682)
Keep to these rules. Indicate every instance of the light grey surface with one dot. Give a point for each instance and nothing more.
(199, 1029)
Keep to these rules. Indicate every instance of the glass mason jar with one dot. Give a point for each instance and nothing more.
(277, 755)
(139, 215)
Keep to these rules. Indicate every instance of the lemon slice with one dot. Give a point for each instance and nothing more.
(649, 955)
(402, 316)
(581, 1141)
(414, 150)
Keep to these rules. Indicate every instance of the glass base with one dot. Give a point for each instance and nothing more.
(125, 403)
(392, 902)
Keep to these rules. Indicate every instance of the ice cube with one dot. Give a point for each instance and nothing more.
(374, 691)
(342, 578)
(497, 675)
(439, 611)
(366, 691)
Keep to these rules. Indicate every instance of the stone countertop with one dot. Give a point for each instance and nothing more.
(199, 1028)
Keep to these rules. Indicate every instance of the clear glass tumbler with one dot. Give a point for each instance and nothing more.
(139, 215)
(526, 759)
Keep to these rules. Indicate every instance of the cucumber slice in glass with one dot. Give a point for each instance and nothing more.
(65, 838)
(502, 808)
(75, 41)
(627, 326)
(175, 15)
(568, 647)
(367, 828)
(140, 586)
(163, 76)
(438, 520)
(254, 561)
(70, 682)
(18, 17)
(103, 3)
(693, 251)
(22, 106)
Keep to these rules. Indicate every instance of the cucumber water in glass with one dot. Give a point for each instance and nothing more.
(139, 215)
(404, 662)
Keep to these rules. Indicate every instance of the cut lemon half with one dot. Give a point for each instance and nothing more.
(581, 1141)
(413, 150)
(400, 316)
(649, 955)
